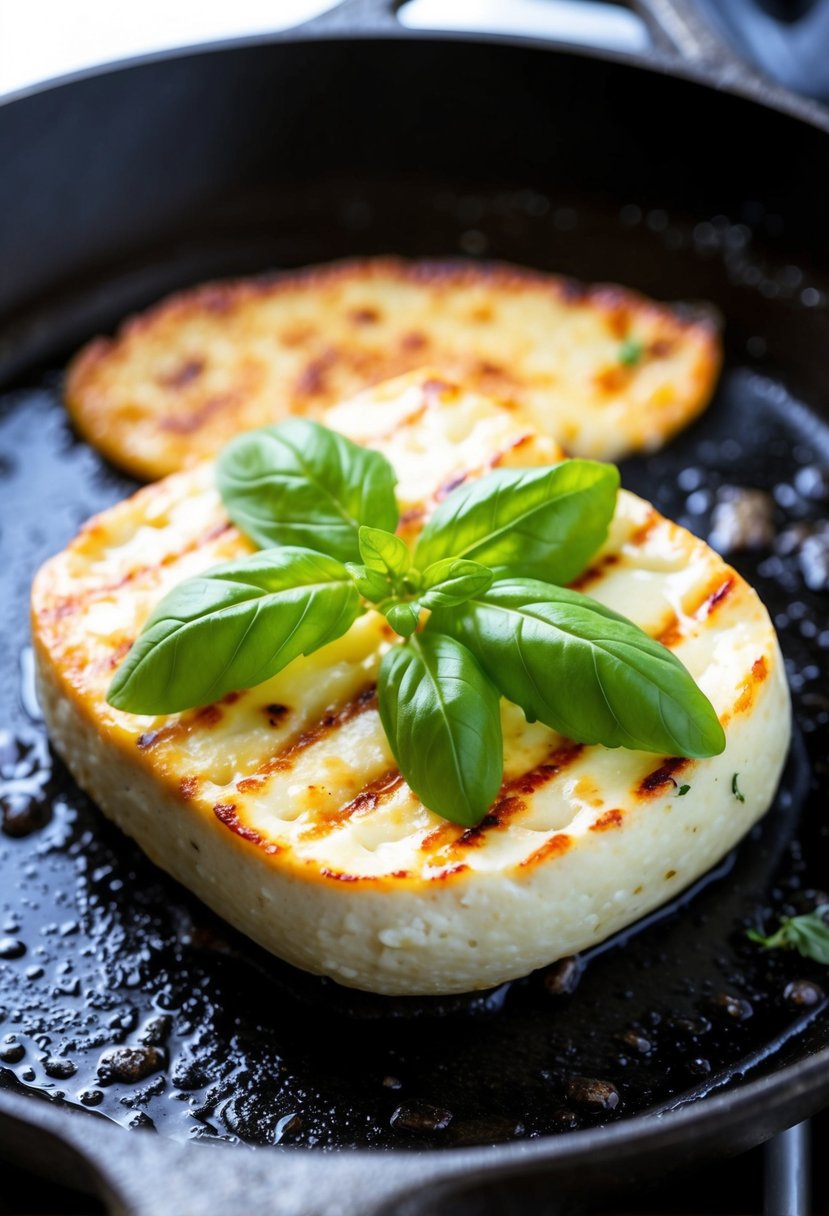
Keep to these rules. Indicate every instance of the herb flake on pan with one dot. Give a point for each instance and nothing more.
(808, 934)
(478, 606)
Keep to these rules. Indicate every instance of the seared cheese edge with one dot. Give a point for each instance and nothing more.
(282, 810)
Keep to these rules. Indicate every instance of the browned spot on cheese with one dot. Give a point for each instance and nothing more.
(208, 715)
(188, 786)
(669, 874)
(147, 739)
(757, 675)
(413, 340)
(313, 378)
(613, 379)
(618, 321)
(610, 819)
(364, 316)
(661, 348)
(284, 759)
(553, 847)
(656, 781)
(184, 374)
(275, 713)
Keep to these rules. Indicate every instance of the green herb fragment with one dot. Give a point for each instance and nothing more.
(735, 789)
(631, 352)
(808, 934)
(442, 720)
(682, 791)
(300, 484)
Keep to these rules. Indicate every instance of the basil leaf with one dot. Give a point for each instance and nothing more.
(808, 934)
(453, 580)
(404, 617)
(384, 552)
(442, 719)
(532, 523)
(233, 627)
(583, 670)
(373, 586)
(299, 483)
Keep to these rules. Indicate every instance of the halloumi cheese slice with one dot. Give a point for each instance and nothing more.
(281, 806)
(602, 370)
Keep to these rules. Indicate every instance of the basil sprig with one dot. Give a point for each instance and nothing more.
(808, 934)
(477, 605)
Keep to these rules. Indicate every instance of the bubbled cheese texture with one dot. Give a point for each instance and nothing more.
(281, 806)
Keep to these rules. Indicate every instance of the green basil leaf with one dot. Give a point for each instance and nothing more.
(531, 523)
(233, 627)
(299, 483)
(369, 583)
(453, 580)
(808, 934)
(584, 670)
(384, 552)
(442, 719)
(404, 617)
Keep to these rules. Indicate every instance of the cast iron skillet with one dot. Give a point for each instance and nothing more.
(685, 180)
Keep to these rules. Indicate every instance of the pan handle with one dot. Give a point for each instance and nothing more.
(141, 1173)
(672, 35)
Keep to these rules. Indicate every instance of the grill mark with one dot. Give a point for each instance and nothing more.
(715, 598)
(225, 812)
(648, 525)
(610, 819)
(193, 420)
(656, 781)
(70, 603)
(344, 876)
(595, 573)
(493, 462)
(184, 374)
(511, 800)
(283, 760)
(759, 672)
(448, 872)
(553, 847)
(502, 454)
(672, 634)
(206, 717)
(365, 803)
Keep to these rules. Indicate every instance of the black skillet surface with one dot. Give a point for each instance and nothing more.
(101, 951)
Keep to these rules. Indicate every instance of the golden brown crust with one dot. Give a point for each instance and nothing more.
(177, 381)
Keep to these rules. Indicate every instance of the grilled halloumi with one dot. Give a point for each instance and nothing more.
(600, 369)
(281, 806)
